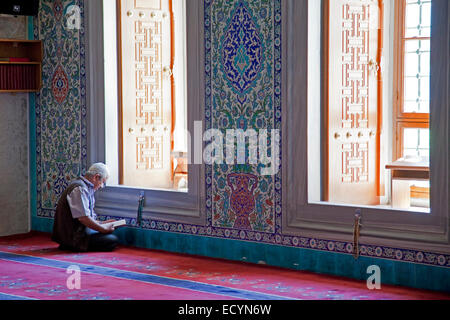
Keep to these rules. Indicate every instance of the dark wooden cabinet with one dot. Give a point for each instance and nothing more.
(20, 65)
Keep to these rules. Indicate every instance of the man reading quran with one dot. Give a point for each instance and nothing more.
(75, 226)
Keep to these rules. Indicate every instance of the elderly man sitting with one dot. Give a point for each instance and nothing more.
(75, 227)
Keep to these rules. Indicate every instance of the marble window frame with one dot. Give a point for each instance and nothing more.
(330, 221)
(122, 201)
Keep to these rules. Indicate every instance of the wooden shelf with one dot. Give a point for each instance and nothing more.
(21, 76)
(403, 171)
(16, 48)
(422, 164)
(19, 40)
(19, 91)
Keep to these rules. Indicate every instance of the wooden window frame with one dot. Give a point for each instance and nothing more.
(399, 116)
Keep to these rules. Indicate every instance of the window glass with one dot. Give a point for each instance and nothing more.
(416, 142)
(417, 56)
(418, 18)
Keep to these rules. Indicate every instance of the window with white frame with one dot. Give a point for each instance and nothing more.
(305, 133)
(170, 196)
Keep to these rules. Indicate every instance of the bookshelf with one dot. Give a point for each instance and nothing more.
(20, 65)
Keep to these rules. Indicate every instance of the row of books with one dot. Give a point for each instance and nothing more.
(15, 59)
(18, 77)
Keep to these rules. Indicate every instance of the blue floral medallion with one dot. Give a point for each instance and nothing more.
(242, 51)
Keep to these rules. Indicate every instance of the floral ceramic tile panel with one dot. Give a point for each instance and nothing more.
(242, 87)
(61, 104)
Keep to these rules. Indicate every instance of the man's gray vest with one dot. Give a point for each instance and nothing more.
(68, 231)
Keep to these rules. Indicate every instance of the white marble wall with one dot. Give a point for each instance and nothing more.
(14, 202)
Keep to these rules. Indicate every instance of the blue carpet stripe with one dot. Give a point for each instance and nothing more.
(4, 296)
(130, 275)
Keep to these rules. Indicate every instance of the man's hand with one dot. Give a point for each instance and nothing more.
(90, 223)
(108, 228)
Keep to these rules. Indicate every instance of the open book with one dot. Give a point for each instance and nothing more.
(116, 224)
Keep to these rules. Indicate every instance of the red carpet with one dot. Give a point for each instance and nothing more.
(31, 267)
